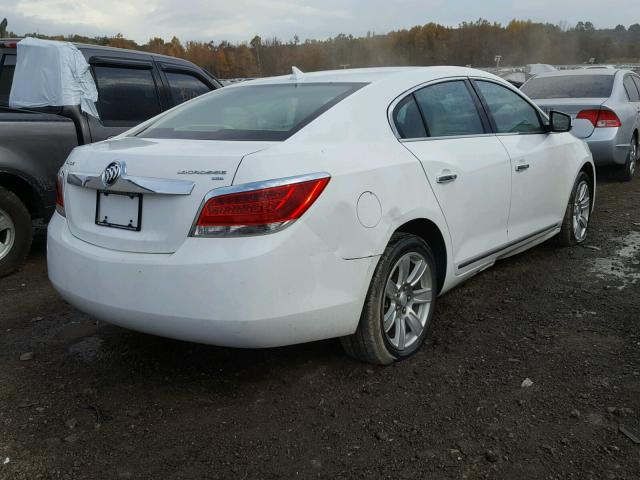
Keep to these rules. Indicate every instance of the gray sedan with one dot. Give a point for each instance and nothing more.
(605, 107)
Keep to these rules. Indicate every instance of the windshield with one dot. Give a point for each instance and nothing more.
(259, 112)
(569, 86)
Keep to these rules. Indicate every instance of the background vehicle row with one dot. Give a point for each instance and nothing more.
(604, 104)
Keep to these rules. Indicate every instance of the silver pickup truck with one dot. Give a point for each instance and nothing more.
(132, 87)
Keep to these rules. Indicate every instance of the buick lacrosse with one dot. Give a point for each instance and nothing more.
(313, 206)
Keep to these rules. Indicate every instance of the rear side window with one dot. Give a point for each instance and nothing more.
(569, 86)
(636, 80)
(408, 120)
(184, 87)
(126, 96)
(630, 88)
(511, 113)
(449, 110)
(7, 67)
(252, 112)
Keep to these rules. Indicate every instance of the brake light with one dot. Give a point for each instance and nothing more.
(60, 193)
(600, 118)
(261, 207)
(12, 44)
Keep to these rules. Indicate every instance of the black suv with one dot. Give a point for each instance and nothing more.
(132, 87)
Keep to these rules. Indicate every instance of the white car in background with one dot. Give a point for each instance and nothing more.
(329, 204)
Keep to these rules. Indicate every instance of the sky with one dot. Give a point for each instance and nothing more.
(240, 20)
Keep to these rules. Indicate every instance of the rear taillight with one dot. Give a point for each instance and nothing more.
(261, 207)
(60, 193)
(9, 44)
(600, 118)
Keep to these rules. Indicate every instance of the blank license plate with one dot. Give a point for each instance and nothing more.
(119, 210)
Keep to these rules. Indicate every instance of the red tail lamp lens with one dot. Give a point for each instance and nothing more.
(600, 118)
(264, 209)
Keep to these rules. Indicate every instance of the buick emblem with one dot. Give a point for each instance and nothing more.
(112, 173)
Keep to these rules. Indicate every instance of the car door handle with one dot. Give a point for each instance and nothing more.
(522, 167)
(446, 177)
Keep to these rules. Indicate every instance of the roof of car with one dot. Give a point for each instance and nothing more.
(369, 75)
(107, 48)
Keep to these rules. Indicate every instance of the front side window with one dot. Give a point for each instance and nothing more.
(511, 113)
(630, 88)
(252, 112)
(449, 110)
(184, 87)
(126, 96)
(408, 120)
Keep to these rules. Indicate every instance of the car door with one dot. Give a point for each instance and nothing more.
(540, 161)
(632, 87)
(444, 126)
(128, 94)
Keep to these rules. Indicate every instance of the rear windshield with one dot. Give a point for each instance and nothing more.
(570, 86)
(260, 112)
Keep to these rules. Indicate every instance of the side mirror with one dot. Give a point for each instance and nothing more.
(559, 122)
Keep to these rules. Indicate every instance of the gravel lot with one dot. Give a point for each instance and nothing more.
(95, 401)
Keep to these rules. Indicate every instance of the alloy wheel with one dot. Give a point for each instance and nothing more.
(581, 211)
(407, 300)
(633, 156)
(7, 234)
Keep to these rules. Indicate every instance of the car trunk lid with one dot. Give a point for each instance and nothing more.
(582, 128)
(165, 181)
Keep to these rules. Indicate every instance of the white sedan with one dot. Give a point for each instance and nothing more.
(312, 206)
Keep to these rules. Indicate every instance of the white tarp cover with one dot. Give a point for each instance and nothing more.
(52, 74)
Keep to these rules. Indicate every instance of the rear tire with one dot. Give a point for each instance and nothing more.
(578, 213)
(16, 232)
(398, 310)
(628, 171)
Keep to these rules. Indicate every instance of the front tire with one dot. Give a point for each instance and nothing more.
(16, 232)
(399, 306)
(578, 213)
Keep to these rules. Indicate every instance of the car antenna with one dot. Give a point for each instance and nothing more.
(297, 74)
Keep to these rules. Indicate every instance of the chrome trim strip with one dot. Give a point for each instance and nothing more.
(514, 245)
(131, 184)
(247, 187)
(452, 137)
(514, 134)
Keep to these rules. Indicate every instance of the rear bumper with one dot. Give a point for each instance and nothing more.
(607, 148)
(254, 292)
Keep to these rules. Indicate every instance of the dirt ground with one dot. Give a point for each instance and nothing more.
(100, 402)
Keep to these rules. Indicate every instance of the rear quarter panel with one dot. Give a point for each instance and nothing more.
(34, 147)
(354, 143)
